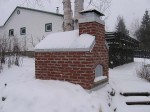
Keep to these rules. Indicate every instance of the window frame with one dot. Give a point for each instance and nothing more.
(46, 27)
(23, 28)
(11, 30)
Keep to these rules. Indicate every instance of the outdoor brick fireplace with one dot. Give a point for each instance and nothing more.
(79, 56)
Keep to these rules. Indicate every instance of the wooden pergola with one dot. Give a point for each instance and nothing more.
(121, 48)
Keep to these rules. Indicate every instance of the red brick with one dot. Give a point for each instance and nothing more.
(75, 67)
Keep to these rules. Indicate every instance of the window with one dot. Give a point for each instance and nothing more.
(18, 12)
(23, 31)
(48, 27)
(99, 71)
(11, 32)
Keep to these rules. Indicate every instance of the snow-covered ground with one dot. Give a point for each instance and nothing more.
(124, 79)
(21, 92)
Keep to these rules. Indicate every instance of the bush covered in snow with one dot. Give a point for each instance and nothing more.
(144, 72)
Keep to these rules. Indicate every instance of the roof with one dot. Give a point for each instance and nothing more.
(66, 41)
(52, 13)
(39, 11)
(92, 10)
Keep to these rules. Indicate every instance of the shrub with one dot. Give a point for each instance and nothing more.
(144, 72)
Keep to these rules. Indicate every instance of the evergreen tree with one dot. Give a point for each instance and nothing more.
(143, 33)
(121, 27)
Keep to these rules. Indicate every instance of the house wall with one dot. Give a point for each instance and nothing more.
(34, 22)
(75, 67)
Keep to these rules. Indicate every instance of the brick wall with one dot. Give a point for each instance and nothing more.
(100, 52)
(75, 67)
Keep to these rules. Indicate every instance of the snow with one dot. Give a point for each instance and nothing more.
(142, 60)
(100, 78)
(124, 79)
(47, 96)
(24, 93)
(137, 98)
(18, 74)
(66, 41)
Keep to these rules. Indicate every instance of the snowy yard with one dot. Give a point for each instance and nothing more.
(20, 92)
(124, 79)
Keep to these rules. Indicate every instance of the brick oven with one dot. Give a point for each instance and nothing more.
(79, 56)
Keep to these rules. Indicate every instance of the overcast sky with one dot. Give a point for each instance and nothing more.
(131, 10)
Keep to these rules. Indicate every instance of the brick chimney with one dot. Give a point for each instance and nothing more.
(91, 23)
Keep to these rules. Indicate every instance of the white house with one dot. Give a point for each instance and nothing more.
(30, 26)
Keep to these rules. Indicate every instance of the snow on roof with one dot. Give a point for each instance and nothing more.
(66, 41)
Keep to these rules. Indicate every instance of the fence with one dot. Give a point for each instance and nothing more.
(142, 54)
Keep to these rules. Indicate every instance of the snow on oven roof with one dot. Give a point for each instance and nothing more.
(66, 41)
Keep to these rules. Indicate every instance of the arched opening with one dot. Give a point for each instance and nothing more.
(98, 71)
(99, 76)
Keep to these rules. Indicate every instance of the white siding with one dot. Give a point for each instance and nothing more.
(34, 22)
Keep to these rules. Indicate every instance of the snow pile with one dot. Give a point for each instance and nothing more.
(21, 92)
(69, 40)
(46, 96)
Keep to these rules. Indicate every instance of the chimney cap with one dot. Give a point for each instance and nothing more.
(57, 10)
(92, 10)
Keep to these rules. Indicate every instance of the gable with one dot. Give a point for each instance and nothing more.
(32, 10)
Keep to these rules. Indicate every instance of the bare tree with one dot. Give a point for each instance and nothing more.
(68, 20)
(79, 5)
(32, 3)
(3, 47)
(10, 51)
(144, 72)
(36, 40)
(102, 6)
